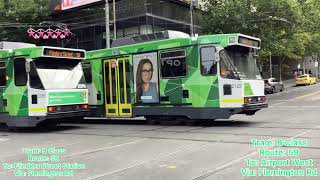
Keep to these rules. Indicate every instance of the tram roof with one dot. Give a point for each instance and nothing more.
(223, 40)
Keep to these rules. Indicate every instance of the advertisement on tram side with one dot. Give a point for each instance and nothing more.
(146, 78)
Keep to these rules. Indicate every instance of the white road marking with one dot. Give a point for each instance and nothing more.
(102, 149)
(3, 139)
(147, 161)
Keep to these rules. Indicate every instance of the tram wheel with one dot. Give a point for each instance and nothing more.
(47, 125)
(169, 120)
(13, 129)
(208, 122)
(152, 120)
(250, 113)
(190, 122)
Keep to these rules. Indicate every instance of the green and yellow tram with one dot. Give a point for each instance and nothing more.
(40, 84)
(167, 75)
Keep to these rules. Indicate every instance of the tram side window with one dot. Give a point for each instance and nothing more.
(3, 74)
(20, 74)
(226, 68)
(208, 62)
(87, 71)
(35, 81)
(173, 64)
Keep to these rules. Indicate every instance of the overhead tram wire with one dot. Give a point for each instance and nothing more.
(20, 25)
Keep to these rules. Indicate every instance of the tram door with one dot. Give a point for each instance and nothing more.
(117, 87)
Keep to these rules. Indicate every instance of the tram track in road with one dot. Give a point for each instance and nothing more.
(159, 157)
(135, 135)
(217, 125)
(199, 140)
(210, 130)
(141, 163)
(202, 176)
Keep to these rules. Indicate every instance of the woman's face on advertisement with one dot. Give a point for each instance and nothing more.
(146, 73)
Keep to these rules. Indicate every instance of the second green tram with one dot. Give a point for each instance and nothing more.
(169, 75)
(40, 84)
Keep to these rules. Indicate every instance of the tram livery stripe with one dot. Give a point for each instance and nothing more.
(37, 109)
(232, 100)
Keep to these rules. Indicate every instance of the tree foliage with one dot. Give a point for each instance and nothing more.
(17, 15)
(287, 28)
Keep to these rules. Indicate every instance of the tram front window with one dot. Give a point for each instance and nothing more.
(244, 62)
(54, 73)
(227, 69)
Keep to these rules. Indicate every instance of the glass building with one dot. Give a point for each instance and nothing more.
(133, 17)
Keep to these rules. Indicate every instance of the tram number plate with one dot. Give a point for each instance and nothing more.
(235, 85)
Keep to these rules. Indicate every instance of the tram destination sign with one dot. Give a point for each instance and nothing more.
(63, 53)
(248, 42)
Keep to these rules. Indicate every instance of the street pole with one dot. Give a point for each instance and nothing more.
(107, 25)
(270, 66)
(114, 21)
(318, 65)
(280, 70)
(191, 18)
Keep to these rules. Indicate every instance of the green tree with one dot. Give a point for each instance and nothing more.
(274, 21)
(289, 29)
(17, 15)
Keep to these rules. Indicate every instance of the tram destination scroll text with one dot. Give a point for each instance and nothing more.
(279, 157)
(43, 162)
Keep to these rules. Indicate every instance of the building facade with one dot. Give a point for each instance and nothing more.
(86, 19)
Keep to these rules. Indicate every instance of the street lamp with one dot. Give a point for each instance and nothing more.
(193, 3)
(316, 65)
(107, 25)
(114, 21)
(191, 18)
(270, 60)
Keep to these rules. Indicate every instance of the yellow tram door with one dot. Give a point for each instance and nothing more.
(117, 87)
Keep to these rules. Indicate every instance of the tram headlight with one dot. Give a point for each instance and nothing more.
(52, 108)
(247, 100)
(84, 106)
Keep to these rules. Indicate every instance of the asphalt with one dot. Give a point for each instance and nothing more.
(122, 150)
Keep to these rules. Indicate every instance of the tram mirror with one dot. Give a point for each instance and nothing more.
(217, 59)
(27, 66)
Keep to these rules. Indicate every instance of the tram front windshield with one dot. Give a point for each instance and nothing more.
(56, 73)
(244, 62)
